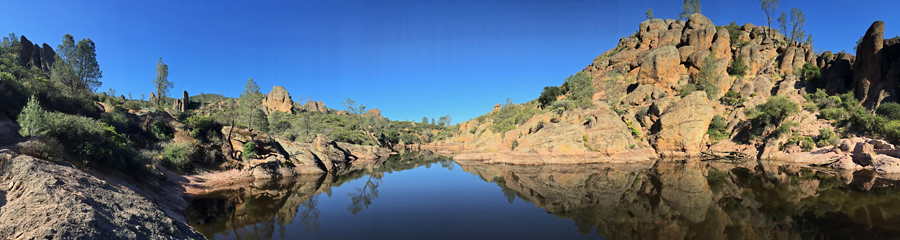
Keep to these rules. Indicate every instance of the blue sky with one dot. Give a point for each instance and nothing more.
(408, 58)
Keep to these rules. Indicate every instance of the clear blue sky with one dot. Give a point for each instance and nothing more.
(410, 58)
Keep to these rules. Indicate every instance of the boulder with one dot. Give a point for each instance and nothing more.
(867, 74)
(185, 100)
(650, 31)
(660, 67)
(885, 164)
(279, 100)
(863, 153)
(683, 125)
(312, 106)
(845, 162)
(375, 113)
(721, 45)
(642, 94)
(699, 32)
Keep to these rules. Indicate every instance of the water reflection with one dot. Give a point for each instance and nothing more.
(653, 200)
(255, 211)
(706, 200)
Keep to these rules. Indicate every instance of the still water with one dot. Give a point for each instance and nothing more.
(425, 196)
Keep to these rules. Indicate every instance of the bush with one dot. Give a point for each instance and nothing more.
(161, 131)
(635, 132)
(90, 140)
(200, 127)
(249, 150)
(732, 98)
(32, 119)
(580, 89)
(737, 67)
(716, 129)
(890, 110)
(549, 95)
(826, 137)
(178, 157)
(810, 73)
(773, 112)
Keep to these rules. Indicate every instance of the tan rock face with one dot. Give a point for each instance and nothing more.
(312, 106)
(699, 32)
(279, 100)
(721, 45)
(683, 126)
(376, 113)
(660, 67)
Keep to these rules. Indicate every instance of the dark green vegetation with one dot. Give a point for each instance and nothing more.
(68, 121)
(844, 110)
(771, 114)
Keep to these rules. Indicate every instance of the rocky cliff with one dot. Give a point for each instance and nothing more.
(657, 91)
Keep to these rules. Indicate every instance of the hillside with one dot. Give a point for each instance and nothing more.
(695, 89)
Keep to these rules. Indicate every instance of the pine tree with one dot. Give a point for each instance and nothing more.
(32, 119)
(161, 82)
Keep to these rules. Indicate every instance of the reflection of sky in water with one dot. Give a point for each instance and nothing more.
(653, 200)
(423, 203)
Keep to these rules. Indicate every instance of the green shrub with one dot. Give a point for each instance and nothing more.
(812, 107)
(177, 157)
(773, 112)
(890, 110)
(200, 127)
(826, 137)
(580, 89)
(549, 95)
(161, 131)
(515, 143)
(833, 114)
(32, 119)
(732, 98)
(737, 67)
(810, 73)
(249, 150)
(90, 140)
(635, 132)
(716, 129)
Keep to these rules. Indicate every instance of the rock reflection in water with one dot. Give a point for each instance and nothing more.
(260, 209)
(705, 200)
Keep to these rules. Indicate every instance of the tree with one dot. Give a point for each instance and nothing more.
(649, 13)
(689, 7)
(444, 121)
(81, 58)
(809, 40)
(769, 7)
(355, 109)
(161, 82)
(249, 100)
(795, 24)
(424, 120)
(63, 74)
(85, 65)
(32, 119)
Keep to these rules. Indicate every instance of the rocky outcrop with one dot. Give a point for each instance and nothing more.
(279, 100)
(682, 127)
(181, 104)
(49, 201)
(25, 50)
(312, 106)
(48, 57)
(35, 57)
(660, 67)
(699, 32)
(373, 113)
(868, 75)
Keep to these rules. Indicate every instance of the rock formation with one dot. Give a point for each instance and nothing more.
(279, 100)
(683, 125)
(312, 106)
(180, 104)
(868, 66)
(376, 113)
(48, 57)
(25, 50)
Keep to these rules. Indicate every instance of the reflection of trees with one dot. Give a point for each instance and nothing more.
(363, 196)
(309, 216)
